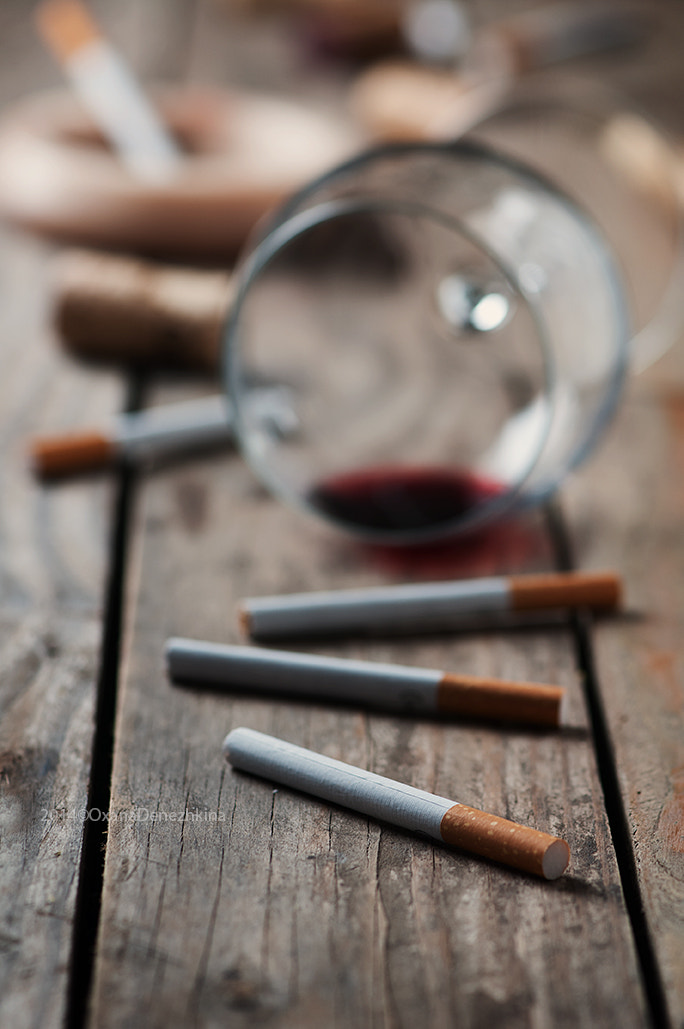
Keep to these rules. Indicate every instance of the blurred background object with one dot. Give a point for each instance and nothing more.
(464, 74)
(243, 154)
(111, 309)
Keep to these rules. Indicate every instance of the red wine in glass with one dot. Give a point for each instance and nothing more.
(402, 499)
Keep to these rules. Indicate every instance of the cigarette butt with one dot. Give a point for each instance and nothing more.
(54, 457)
(397, 803)
(367, 683)
(595, 590)
(508, 842)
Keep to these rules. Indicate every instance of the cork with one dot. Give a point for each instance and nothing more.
(568, 589)
(57, 456)
(477, 697)
(398, 100)
(500, 840)
(117, 310)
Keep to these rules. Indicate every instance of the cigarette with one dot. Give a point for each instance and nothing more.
(369, 684)
(405, 806)
(422, 605)
(161, 431)
(108, 89)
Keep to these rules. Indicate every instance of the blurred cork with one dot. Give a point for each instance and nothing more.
(115, 310)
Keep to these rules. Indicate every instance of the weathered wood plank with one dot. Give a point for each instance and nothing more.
(283, 909)
(627, 511)
(290, 911)
(53, 550)
(53, 546)
(227, 900)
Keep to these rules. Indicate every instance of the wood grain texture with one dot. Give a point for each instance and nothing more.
(287, 911)
(628, 509)
(48, 668)
(54, 545)
(52, 569)
(53, 563)
(229, 901)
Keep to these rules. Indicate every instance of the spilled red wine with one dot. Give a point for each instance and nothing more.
(402, 499)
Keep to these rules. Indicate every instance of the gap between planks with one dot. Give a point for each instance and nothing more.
(581, 624)
(94, 848)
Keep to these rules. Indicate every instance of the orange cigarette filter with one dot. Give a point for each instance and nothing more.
(54, 457)
(565, 589)
(475, 697)
(66, 27)
(508, 842)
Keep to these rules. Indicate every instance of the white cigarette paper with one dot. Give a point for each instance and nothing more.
(172, 427)
(401, 805)
(366, 683)
(196, 423)
(122, 111)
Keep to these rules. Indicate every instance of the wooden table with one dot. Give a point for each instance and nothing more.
(144, 883)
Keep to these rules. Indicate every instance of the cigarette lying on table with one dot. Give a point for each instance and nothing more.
(157, 432)
(394, 802)
(420, 605)
(108, 89)
(370, 684)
